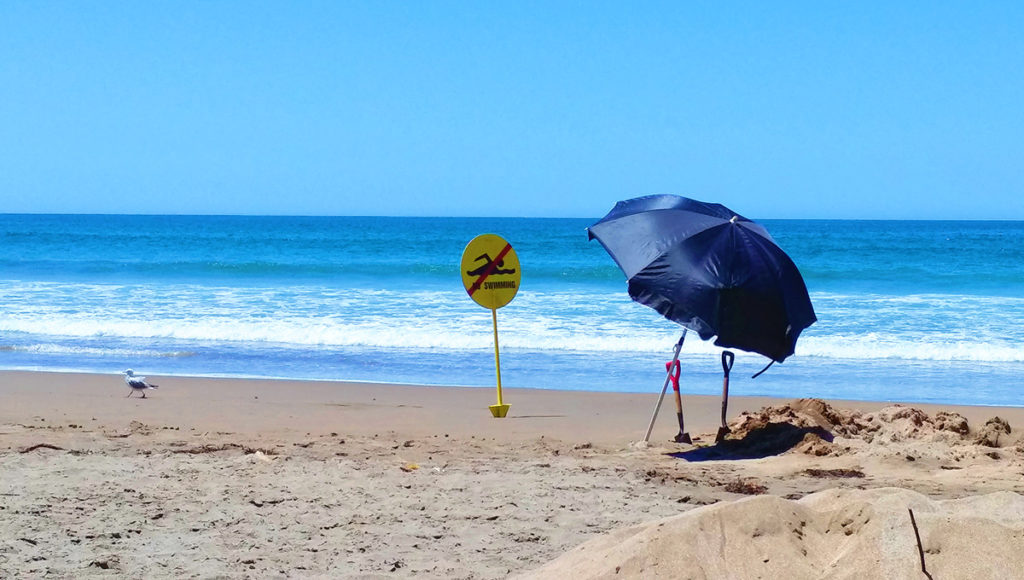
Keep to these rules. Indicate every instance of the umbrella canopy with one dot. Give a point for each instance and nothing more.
(711, 270)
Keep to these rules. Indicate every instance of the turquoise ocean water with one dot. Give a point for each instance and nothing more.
(908, 310)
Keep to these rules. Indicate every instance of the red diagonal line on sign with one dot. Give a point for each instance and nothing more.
(490, 269)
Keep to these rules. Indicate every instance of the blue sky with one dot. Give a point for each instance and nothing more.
(777, 109)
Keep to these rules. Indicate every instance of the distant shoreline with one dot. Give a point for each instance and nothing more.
(259, 405)
(346, 383)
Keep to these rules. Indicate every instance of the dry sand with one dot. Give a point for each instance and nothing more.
(240, 478)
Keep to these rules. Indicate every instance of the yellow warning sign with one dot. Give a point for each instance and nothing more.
(490, 271)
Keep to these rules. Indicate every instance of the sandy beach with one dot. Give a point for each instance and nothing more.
(263, 478)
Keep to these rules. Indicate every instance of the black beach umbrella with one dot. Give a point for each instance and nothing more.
(709, 269)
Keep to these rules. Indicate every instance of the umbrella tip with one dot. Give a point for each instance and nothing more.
(734, 218)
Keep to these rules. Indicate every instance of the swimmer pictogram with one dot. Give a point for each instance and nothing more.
(489, 268)
(488, 264)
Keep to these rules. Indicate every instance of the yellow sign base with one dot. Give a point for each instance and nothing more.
(498, 410)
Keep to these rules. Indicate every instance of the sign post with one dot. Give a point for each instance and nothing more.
(491, 275)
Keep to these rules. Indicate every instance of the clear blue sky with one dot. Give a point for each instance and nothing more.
(777, 109)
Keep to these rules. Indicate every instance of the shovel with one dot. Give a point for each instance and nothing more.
(727, 360)
(682, 437)
(673, 368)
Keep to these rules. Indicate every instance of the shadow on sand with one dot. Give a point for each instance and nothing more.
(771, 439)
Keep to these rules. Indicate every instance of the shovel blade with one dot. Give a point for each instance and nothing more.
(722, 432)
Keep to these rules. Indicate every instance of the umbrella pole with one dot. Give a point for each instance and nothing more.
(668, 378)
(727, 360)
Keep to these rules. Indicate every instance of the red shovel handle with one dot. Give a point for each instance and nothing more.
(673, 370)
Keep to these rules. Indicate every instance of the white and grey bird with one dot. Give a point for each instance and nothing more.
(136, 383)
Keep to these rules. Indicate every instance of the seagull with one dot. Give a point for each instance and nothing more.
(136, 383)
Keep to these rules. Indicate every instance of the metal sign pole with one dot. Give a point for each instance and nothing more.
(499, 410)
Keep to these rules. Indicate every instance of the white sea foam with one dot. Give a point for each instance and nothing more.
(934, 349)
(93, 351)
(535, 333)
(851, 327)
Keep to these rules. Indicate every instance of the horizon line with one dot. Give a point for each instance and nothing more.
(329, 216)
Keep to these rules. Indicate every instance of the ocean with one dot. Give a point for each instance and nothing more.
(922, 311)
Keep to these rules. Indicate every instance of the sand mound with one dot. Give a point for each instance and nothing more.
(831, 534)
(812, 426)
(895, 423)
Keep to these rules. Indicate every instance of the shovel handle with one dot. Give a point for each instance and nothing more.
(727, 359)
(673, 368)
